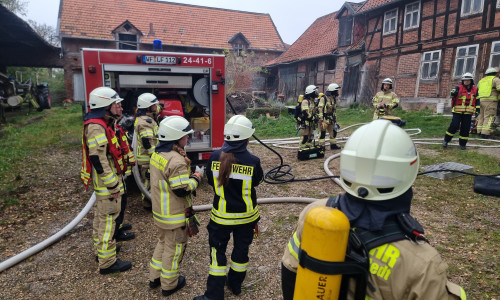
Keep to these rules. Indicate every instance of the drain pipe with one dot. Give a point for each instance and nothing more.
(39, 247)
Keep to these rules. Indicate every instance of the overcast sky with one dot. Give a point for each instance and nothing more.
(291, 17)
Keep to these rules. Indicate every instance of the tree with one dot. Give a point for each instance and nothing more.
(46, 31)
(239, 69)
(18, 7)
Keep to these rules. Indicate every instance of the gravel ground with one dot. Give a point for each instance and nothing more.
(51, 195)
(67, 269)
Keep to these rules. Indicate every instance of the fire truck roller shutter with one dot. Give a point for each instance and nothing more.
(155, 81)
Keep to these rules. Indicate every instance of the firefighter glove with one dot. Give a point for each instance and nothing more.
(192, 222)
(256, 231)
(200, 170)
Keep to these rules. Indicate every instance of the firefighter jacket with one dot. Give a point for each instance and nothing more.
(103, 157)
(146, 130)
(489, 88)
(327, 108)
(464, 100)
(236, 202)
(170, 172)
(389, 268)
(388, 98)
(308, 110)
(127, 153)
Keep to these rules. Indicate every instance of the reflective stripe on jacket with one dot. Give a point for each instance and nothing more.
(389, 268)
(169, 172)
(145, 127)
(465, 101)
(99, 140)
(236, 202)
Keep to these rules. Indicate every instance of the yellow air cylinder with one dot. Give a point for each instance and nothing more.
(324, 237)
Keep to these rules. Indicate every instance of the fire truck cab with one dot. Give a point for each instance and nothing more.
(186, 84)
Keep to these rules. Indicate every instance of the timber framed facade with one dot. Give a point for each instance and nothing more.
(427, 45)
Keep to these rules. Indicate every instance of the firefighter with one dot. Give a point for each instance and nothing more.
(308, 117)
(385, 101)
(103, 162)
(464, 104)
(233, 172)
(327, 118)
(128, 161)
(146, 129)
(489, 94)
(377, 174)
(172, 188)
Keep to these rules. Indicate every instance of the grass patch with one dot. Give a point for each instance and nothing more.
(282, 126)
(462, 225)
(27, 137)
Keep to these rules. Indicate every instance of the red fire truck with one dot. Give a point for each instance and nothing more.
(187, 84)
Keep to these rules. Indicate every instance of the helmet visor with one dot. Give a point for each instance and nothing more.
(116, 98)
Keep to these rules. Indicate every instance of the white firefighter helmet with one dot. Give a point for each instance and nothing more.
(310, 89)
(238, 128)
(467, 76)
(173, 128)
(146, 100)
(333, 87)
(103, 97)
(387, 80)
(378, 162)
(491, 71)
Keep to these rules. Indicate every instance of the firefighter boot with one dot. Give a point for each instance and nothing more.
(154, 284)
(180, 284)
(445, 144)
(126, 226)
(118, 266)
(202, 297)
(118, 247)
(121, 235)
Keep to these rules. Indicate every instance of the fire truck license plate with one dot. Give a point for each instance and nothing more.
(159, 60)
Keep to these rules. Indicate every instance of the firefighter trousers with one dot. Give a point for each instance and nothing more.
(167, 257)
(486, 116)
(121, 215)
(331, 132)
(142, 170)
(104, 225)
(307, 137)
(218, 238)
(463, 122)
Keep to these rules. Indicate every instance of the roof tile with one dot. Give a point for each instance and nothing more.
(172, 23)
(318, 40)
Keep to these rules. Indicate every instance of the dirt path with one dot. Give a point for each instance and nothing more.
(68, 270)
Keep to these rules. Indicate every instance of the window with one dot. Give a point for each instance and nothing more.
(470, 7)
(465, 60)
(239, 49)
(345, 31)
(331, 64)
(495, 55)
(390, 19)
(412, 15)
(127, 41)
(430, 64)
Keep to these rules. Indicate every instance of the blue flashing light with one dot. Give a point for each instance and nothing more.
(157, 45)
